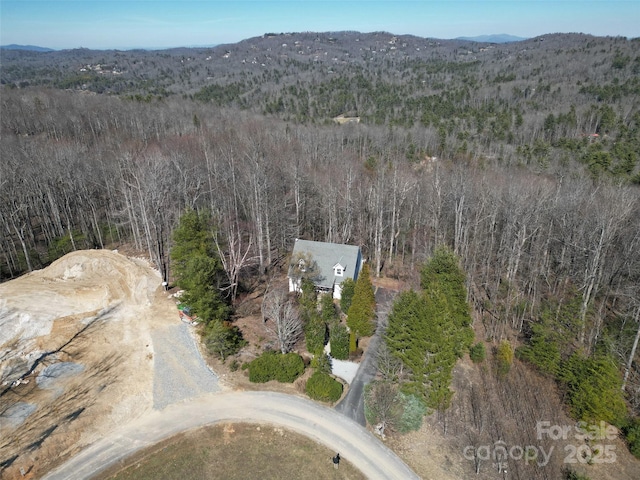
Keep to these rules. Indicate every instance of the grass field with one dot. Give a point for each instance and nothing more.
(234, 451)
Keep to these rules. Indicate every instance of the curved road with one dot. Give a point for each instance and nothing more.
(354, 443)
(186, 396)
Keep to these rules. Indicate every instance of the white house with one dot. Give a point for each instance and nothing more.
(331, 264)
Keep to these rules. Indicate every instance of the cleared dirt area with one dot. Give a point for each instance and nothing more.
(76, 355)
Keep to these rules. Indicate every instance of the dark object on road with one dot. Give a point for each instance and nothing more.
(336, 460)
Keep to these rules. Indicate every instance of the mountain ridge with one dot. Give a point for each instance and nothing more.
(490, 38)
(30, 48)
(493, 38)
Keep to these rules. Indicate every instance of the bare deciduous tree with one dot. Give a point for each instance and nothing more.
(283, 314)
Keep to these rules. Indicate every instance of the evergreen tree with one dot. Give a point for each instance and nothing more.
(362, 309)
(429, 330)
(339, 338)
(308, 299)
(197, 267)
(593, 386)
(192, 236)
(443, 273)
(328, 309)
(223, 339)
(315, 333)
(348, 289)
(551, 337)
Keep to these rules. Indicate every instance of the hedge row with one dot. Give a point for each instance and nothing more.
(275, 366)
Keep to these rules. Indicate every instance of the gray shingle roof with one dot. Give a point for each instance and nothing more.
(327, 255)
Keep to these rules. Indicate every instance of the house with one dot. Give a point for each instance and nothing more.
(327, 265)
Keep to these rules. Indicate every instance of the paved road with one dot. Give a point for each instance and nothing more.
(352, 405)
(319, 423)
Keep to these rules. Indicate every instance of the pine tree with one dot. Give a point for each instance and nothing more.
(197, 267)
(362, 309)
(429, 330)
(348, 289)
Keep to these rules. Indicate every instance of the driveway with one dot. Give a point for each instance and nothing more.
(352, 405)
(179, 371)
(324, 425)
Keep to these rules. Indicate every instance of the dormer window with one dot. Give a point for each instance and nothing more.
(302, 266)
(338, 270)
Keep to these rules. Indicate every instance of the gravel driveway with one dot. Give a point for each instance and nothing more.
(180, 373)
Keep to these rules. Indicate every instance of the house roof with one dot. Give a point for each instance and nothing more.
(327, 256)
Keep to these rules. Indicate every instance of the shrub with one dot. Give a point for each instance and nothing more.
(223, 339)
(323, 387)
(632, 434)
(60, 246)
(291, 367)
(593, 387)
(477, 353)
(504, 358)
(339, 338)
(569, 474)
(383, 403)
(321, 362)
(543, 350)
(315, 333)
(414, 411)
(275, 366)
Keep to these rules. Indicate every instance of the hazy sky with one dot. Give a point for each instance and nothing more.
(104, 24)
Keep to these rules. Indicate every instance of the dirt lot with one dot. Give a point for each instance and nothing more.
(93, 311)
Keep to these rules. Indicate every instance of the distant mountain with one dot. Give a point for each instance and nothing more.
(495, 38)
(31, 48)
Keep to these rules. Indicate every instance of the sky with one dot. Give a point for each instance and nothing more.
(124, 24)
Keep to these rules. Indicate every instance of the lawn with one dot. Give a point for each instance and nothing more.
(234, 451)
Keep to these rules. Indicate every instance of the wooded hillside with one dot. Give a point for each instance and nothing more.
(490, 149)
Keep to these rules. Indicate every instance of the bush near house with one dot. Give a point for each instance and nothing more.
(270, 365)
(321, 362)
(339, 339)
(323, 387)
(328, 310)
(315, 333)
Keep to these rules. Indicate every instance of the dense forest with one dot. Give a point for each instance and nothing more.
(522, 158)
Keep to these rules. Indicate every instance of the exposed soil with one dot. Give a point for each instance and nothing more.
(96, 309)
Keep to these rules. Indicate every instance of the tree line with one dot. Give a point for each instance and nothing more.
(82, 171)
